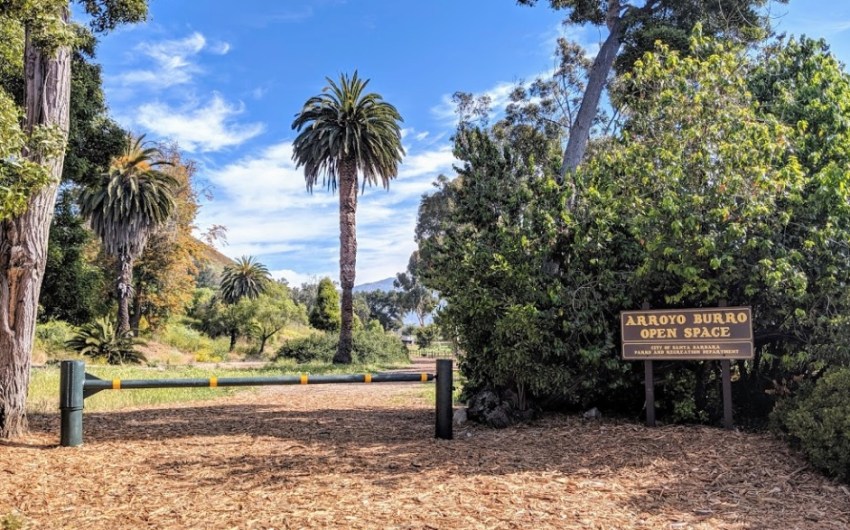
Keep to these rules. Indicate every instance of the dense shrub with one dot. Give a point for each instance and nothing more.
(370, 346)
(817, 421)
(426, 335)
(52, 335)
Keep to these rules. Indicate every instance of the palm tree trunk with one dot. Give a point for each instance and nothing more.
(23, 239)
(136, 315)
(233, 335)
(347, 256)
(124, 290)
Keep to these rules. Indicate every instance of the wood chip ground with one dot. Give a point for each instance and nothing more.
(364, 456)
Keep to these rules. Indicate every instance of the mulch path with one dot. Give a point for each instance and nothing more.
(358, 456)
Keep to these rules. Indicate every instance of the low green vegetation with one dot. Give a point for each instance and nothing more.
(370, 345)
(817, 421)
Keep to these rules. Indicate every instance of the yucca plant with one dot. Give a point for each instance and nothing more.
(98, 339)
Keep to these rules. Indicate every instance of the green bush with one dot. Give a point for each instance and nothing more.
(189, 340)
(817, 421)
(370, 346)
(426, 335)
(99, 340)
(52, 335)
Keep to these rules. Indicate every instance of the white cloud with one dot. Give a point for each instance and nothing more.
(296, 278)
(198, 128)
(269, 214)
(172, 63)
(220, 48)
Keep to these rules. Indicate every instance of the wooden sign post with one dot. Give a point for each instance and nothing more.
(721, 333)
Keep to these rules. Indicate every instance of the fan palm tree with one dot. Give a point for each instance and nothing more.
(343, 132)
(130, 201)
(246, 278)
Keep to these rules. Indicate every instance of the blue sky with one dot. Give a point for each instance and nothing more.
(226, 79)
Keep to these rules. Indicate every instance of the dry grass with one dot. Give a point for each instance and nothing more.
(364, 456)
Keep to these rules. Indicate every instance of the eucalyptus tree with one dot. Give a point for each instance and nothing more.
(131, 200)
(42, 36)
(633, 28)
(345, 132)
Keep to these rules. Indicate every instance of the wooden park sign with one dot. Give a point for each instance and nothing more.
(687, 334)
(720, 333)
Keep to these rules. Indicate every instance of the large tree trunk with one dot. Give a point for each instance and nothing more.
(124, 290)
(23, 239)
(580, 128)
(347, 256)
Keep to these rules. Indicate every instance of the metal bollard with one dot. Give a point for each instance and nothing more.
(444, 399)
(71, 378)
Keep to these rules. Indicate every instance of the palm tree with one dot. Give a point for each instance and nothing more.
(131, 200)
(342, 132)
(244, 279)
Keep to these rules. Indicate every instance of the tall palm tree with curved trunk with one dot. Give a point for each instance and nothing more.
(246, 278)
(343, 132)
(131, 200)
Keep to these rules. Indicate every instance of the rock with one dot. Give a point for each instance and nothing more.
(593, 414)
(459, 417)
(496, 410)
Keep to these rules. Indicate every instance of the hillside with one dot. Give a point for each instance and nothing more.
(216, 259)
(381, 285)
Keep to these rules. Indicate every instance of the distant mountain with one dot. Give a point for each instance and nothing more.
(382, 285)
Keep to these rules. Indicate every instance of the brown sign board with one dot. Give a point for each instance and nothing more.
(687, 334)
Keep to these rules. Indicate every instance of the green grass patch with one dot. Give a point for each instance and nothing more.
(429, 392)
(44, 383)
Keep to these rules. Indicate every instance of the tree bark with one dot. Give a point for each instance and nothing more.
(233, 335)
(347, 257)
(136, 314)
(124, 290)
(23, 239)
(602, 64)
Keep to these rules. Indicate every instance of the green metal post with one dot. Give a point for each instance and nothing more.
(71, 377)
(444, 399)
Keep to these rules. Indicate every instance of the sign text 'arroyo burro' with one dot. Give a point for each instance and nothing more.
(687, 334)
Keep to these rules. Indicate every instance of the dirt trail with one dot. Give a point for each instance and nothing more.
(364, 456)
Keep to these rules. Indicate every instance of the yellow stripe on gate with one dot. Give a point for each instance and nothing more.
(213, 382)
(367, 378)
(303, 379)
(424, 378)
(116, 384)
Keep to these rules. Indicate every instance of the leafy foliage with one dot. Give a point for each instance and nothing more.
(99, 340)
(74, 287)
(325, 315)
(385, 307)
(370, 346)
(701, 199)
(818, 422)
